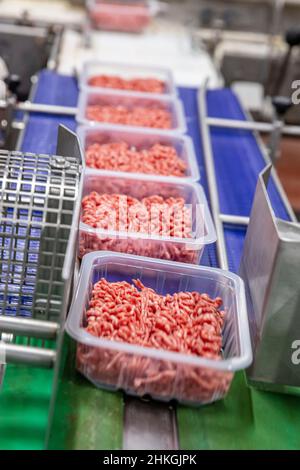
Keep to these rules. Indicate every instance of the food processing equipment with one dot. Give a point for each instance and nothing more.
(230, 158)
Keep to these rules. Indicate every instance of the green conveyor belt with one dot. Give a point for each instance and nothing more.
(84, 417)
(87, 418)
(245, 419)
(24, 403)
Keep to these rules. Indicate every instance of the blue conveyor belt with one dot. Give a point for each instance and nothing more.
(238, 158)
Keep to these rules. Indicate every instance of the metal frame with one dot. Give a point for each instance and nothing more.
(219, 218)
(29, 105)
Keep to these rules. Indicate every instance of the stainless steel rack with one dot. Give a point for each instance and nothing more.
(39, 215)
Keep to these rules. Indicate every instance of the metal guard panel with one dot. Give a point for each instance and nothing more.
(270, 268)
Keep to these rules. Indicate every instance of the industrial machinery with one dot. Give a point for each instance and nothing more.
(40, 196)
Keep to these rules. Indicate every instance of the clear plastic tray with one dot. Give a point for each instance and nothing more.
(124, 16)
(127, 71)
(89, 96)
(163, 375)
(187, 250)
(142, 139)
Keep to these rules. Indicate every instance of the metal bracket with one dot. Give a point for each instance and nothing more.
(270, 268)
(68, 145)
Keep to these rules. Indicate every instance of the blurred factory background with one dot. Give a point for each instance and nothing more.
(249, 45)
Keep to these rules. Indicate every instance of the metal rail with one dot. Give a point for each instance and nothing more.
(28, 355)
(28, 327)
(293, 131)
(53, 59)
(29, 107)
(34, 81)
(211, 178)
(234, 219)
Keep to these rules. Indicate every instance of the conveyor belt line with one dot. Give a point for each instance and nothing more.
(211, 178)
(160, 419)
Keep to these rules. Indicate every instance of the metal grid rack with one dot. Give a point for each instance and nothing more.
(38, 221)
